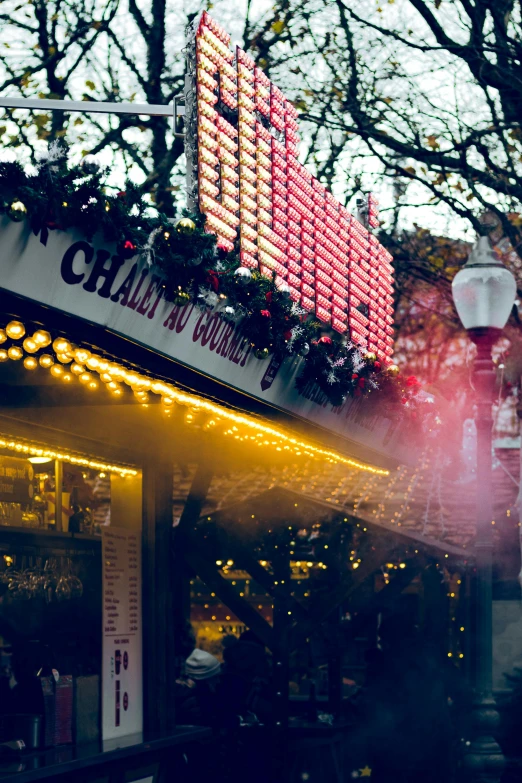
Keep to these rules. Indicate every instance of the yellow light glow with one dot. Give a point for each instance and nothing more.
(15, 330)
(61, 345)
(64, 358)
(77, 369)
(81, 355)
(67, 377)
(3, 336)
(46, 360)
(35, 450)
(30, 363)
(30, 345)
(170, 394)
(42, 337)
(57, 370)
(15, 353)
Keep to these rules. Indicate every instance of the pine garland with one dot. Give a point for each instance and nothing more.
(61, 197)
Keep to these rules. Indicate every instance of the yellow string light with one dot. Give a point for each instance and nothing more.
(36, 450)
(15, 330)
(112, 372)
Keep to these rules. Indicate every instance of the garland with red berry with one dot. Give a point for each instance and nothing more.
(56, 196)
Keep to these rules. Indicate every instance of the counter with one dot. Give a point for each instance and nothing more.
(115, 756)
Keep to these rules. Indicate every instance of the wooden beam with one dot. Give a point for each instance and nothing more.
(181, 600)
(158, 688)
(348, 584)
(208, 572)
(383, 599)
(196, 497)
(264, 578)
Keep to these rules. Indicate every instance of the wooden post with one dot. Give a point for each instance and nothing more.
(158, 639)
(182, 570)
(335, 667)
(282, 623)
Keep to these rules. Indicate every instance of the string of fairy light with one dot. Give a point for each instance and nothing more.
(26, 448)
(70, 363)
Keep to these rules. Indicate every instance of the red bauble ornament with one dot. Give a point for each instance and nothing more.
(121, 193)
(213, 279)
(354, 376)
(412, 381)
(268, 297)
(325, 340)
(288, 334)
(404, 400)
(360, 382)
(127, 249)
(265, 313)
(377, 366)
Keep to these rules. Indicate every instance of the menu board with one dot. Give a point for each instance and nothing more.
(122, 676)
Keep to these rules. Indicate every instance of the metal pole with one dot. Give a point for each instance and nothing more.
(58, 481)
(173, 110)
(484, 760)
(519, 498)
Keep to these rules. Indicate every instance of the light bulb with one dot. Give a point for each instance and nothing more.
(92, 385)
(64, 358)
(61, 345)
(85, 377)
(67, 377)
(46, 360)
(105, 377)
(92, 362)
(77, 369)
(30, 363)
(15, 330)
(30, 345)
(57, 370)
(15, 352)
(3, 355)
(81, 355)
(42, 337)
(3, 336)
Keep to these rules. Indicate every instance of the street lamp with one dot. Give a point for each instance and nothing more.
(484, 293)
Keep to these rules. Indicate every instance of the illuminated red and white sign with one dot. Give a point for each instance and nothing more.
(252, 186)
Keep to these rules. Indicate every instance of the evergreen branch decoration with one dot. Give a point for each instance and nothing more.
(193, 269)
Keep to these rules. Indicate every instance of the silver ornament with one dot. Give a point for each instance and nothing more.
(90, 164)
(243, 274)
(229, 310)
(305, 350)
(284, 289)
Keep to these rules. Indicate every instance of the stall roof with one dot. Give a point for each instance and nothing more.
(420, 501)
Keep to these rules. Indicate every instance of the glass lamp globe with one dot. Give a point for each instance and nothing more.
(484, 290)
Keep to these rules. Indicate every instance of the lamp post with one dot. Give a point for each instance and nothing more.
(484, 293)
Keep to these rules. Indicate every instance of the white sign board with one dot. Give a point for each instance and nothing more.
(63, 271)
(122, 676)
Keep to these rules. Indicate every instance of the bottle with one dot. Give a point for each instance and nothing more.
(311, 714)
